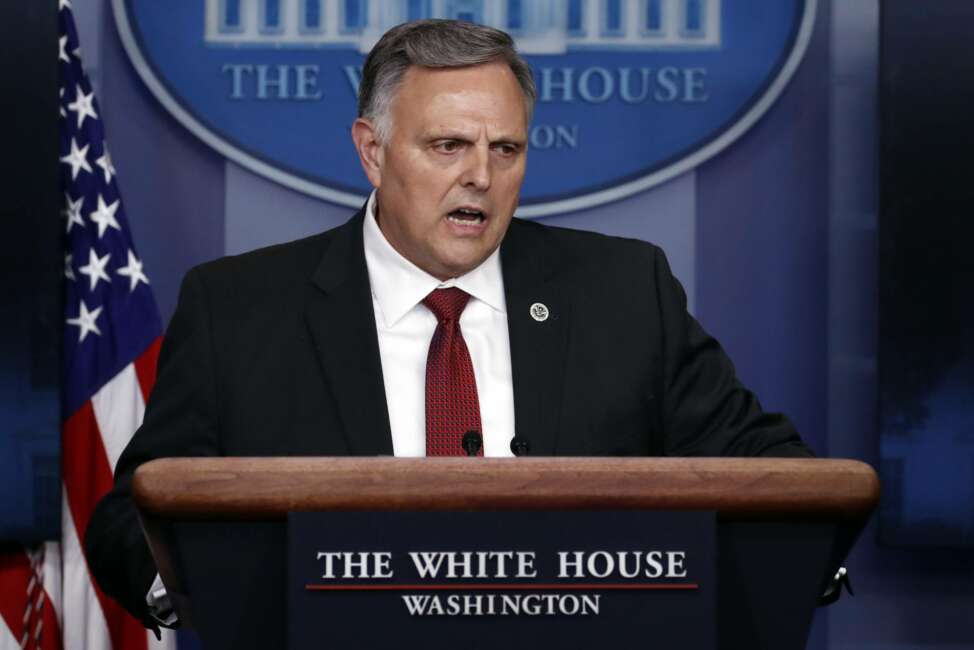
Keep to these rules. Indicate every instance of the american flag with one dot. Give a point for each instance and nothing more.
(112, 333)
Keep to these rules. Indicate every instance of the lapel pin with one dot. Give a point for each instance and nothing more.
(539, 312)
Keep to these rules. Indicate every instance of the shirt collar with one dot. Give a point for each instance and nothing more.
(398, 285)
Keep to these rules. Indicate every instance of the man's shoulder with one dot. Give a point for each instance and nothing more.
(581, 249)
(270, 267)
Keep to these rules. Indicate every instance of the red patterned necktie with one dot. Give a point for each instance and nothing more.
(452, 407)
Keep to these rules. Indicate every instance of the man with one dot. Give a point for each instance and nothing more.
(431, 313)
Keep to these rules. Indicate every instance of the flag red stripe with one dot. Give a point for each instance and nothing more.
(87, 477)
(15, 572)
(84, 466)
(14, 576)
(51, 636)
(145, 368)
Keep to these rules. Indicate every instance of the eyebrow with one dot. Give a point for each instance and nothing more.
(433, 136)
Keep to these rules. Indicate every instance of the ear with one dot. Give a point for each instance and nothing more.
(369, 150)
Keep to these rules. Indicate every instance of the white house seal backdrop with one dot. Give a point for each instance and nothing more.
(631, 93)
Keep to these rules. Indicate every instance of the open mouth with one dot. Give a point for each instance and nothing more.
(466, 216)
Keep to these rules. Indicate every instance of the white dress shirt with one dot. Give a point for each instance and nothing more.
(405, 328)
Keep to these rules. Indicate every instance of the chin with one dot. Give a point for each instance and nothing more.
(455, 268)
(464, 261)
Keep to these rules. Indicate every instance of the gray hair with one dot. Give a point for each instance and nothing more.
(433, 44)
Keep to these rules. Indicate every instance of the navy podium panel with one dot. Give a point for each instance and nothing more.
(502, 579)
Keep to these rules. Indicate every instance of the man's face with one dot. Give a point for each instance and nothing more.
(449, 176)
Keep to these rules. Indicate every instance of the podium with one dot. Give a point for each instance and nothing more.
(217, 527)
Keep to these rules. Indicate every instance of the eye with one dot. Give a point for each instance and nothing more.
(506, 149)
(447, 146)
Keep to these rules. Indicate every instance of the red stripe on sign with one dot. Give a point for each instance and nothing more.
(682, 586)
(145, 368)
(87, 477)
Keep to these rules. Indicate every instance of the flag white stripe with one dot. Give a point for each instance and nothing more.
(118, 407)
(52, 576)
(83, 625)
(7, 640)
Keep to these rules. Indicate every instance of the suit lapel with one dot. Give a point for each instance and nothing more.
(538, 347)
(342, 323)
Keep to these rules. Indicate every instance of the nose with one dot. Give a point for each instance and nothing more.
(476, 174)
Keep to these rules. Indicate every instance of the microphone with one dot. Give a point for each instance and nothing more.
(520, 446)
(834, 591)
(472, 441)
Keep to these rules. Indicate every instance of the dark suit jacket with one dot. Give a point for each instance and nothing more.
(275, 353)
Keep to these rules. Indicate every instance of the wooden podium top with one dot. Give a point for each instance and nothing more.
(269, 488)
